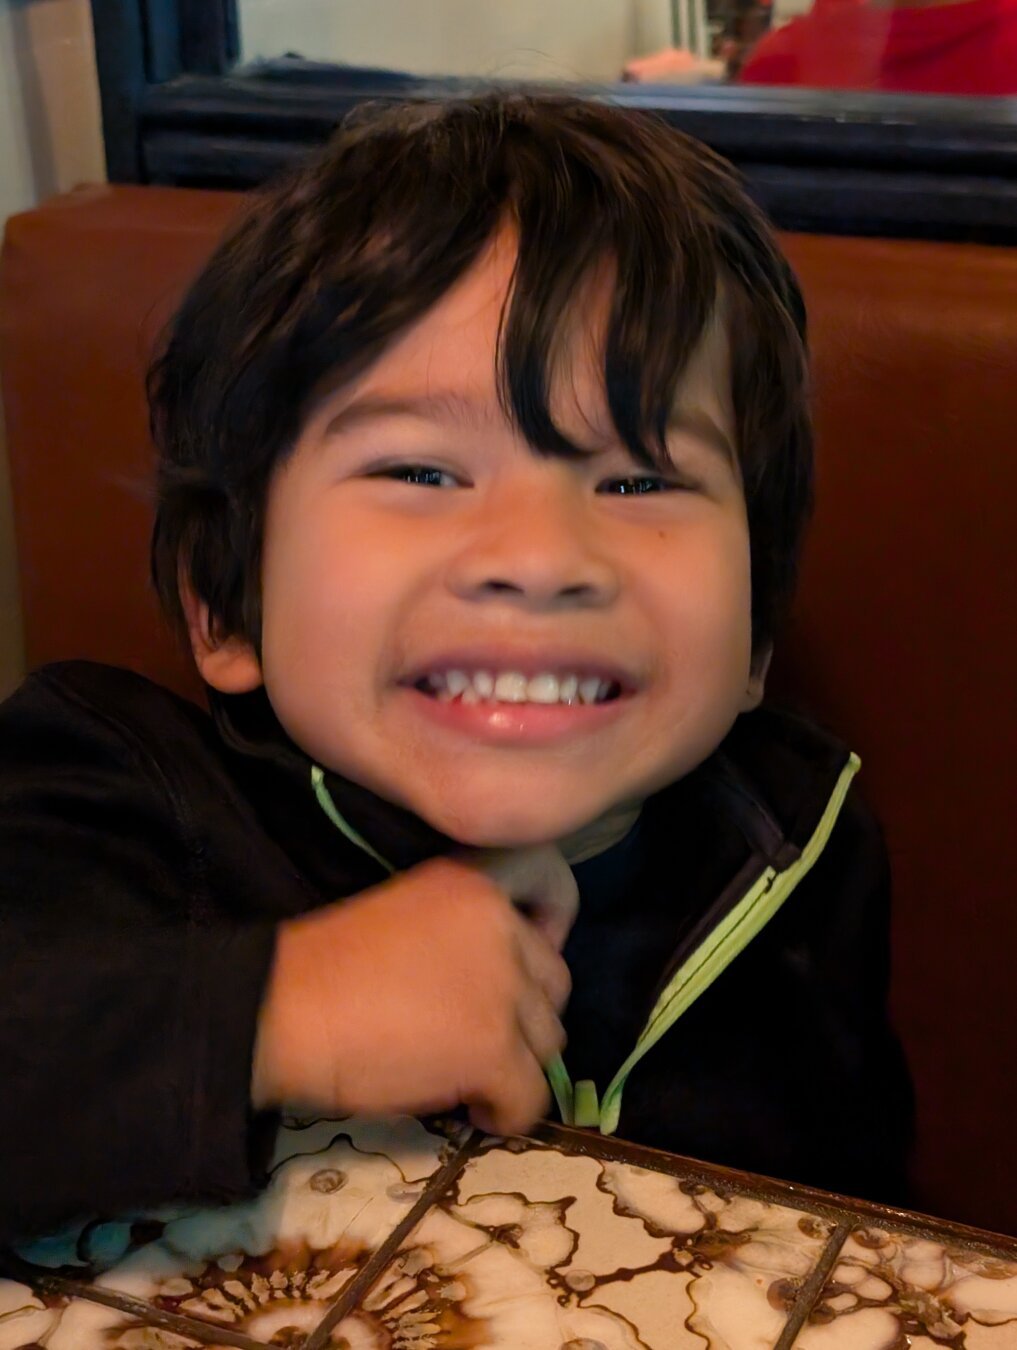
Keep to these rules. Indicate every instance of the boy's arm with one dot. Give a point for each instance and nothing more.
(128, 1005)
(138, 991)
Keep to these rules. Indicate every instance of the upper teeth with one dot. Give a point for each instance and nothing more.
(512, 687)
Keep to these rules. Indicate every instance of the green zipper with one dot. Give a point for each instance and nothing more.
(578, 1104)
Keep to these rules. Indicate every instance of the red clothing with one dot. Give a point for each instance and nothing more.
(969, 47)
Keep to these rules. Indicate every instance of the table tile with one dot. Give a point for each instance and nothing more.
(895, 1289)
(29, 1321)
(25, 1319)
(272, 1266)
(533, 1248)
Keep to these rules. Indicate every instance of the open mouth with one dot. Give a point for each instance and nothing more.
(547, 688)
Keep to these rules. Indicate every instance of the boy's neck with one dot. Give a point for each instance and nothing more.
(600, 835)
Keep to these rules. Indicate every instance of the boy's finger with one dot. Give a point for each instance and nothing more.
(543, 966)
(553, 922)
(539, 1025)
(516, 1097)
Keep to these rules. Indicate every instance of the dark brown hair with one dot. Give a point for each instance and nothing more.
(332, 262)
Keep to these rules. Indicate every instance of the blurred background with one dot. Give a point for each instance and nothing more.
(921, 46)
(50, 139)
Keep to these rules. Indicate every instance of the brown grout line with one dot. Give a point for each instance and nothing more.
(352, 1294)
(841, 1209)
(810, 1291)
(208, 1332)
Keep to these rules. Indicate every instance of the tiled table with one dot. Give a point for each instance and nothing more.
(397, 1236)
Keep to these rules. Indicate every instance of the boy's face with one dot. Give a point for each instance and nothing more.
(413, 533)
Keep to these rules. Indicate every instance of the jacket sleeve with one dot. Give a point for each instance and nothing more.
(128, 996)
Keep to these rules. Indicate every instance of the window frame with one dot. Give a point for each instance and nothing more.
(176, 110)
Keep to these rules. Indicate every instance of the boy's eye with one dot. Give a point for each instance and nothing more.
(427, 475)
(638, 484)
(420, 475)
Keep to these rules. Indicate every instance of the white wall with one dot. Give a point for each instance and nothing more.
(50, 139)
(543, 39)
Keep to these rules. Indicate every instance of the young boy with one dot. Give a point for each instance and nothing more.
(484, 464)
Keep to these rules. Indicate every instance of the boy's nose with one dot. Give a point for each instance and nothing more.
(536, 547)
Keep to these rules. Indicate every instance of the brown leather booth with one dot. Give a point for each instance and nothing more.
(902, 638)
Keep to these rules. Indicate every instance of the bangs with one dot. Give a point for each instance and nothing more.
(574, 214)
(582, 187)
(391, 246)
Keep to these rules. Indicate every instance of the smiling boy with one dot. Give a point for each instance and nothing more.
(412, 534)
(484, 464)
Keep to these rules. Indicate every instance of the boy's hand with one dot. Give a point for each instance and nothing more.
(440, 986)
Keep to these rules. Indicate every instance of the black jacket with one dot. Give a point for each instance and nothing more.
(147, 852)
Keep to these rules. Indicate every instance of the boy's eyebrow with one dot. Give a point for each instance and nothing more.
(446, 406)
(453, 406)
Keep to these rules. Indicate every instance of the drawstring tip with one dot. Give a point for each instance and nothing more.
(586, 1112)
(561, 1086)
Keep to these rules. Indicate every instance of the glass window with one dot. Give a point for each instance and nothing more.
(903, 46)
(583, 40)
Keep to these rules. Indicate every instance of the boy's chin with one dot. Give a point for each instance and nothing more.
(578, 836)
(502, 836)
(504, 828)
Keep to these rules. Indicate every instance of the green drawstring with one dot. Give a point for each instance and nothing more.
(332, 811)
(561, 1086)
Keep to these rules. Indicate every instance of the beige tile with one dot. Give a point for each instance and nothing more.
(270, 1267)
(24, 1317)
(28, 1322)
(892, 1289)
(535, 1249)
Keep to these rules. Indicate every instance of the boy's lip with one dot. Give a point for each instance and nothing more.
(529, 662)
(516, 725)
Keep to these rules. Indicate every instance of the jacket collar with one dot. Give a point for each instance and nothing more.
(769, 782)
(276, 777)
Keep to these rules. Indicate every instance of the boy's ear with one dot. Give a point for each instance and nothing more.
(230, 664)
(756, 687)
